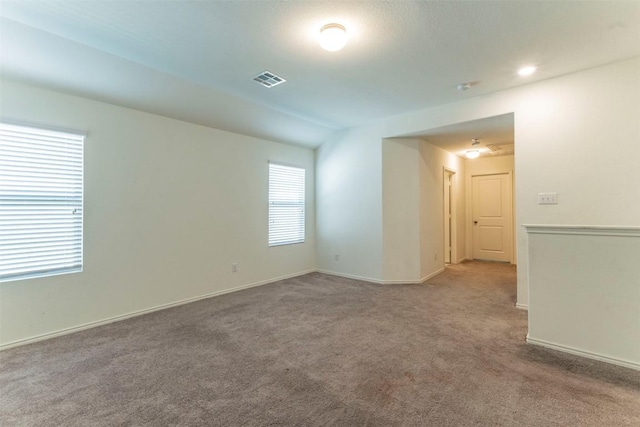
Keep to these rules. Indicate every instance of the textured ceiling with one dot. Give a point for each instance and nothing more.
(199, 56)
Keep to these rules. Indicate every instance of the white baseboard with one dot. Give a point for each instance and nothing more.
(383, 282)
(587, 354)
(351, 276)
(429, 276)
(106, 321)
(463, 259)
(522, 306)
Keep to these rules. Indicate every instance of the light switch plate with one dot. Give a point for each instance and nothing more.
(547, 198)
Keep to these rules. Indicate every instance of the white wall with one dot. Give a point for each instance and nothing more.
(375, 208)
(585, 291)
(168, 207)
(401, 211)
(485, 166)
(489, 165)
(349, 203)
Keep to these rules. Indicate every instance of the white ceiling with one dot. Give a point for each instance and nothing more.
(194, 60)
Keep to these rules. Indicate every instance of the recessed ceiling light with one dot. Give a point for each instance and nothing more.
(527, 71)
(333, 37)
(463, 86)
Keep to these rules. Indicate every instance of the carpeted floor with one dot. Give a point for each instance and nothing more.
(319, 350)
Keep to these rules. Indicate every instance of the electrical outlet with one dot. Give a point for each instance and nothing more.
(547, 198)
(336, 257)
(234, 268)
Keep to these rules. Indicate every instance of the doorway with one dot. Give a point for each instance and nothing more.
(492, 213)
(448, 215)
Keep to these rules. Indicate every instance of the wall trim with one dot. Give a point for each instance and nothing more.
(587, 230)
(351, 276)
(522, 306)
(383, 282)
(137, 313)
(434, 274)
(586, 354)
(412, 281)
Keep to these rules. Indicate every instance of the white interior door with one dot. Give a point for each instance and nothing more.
(492, 217)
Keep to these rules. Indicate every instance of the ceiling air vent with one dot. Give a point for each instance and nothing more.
(501, 149)
(268, 79)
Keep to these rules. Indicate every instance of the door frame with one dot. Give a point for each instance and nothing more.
(469, 198)
(452, 202)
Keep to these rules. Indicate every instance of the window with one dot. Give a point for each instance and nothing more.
(286, 205)
(40, 202)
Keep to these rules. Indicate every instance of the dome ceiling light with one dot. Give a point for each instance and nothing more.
(333, 37)
(474, 153)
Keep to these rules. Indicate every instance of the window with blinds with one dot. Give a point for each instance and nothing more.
(40, 202)
(286, 205)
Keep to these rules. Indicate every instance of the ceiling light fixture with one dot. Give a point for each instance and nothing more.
(475, 153)
(527, 71)
(333, 37)
(472, 154)
(463, 86)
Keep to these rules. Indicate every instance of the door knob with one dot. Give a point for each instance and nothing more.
(475, 222)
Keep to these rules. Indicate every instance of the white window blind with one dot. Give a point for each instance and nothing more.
(40, 202)
(286, 205)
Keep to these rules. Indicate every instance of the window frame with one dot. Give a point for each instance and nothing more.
(301, 230)
(59, 205)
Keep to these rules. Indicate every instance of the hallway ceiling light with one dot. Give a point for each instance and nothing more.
(333, 37)
(474, 153)
(527, 71)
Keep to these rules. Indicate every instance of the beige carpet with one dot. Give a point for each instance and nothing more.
(320, 350)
